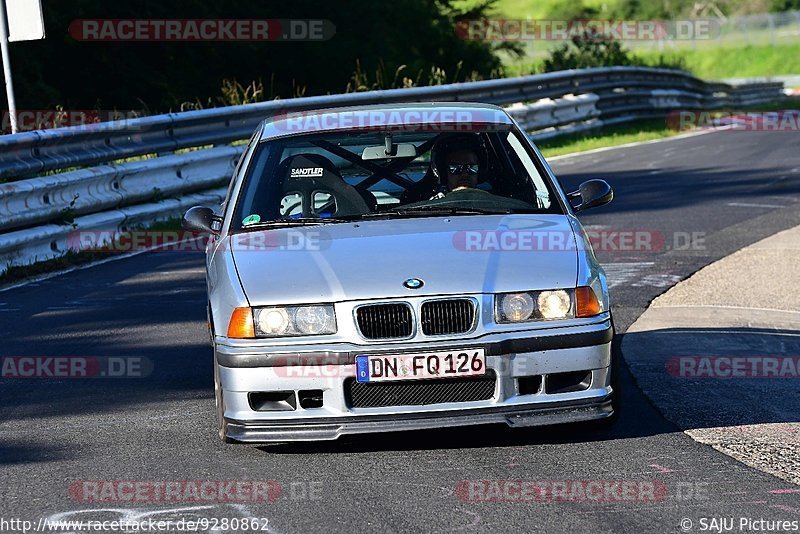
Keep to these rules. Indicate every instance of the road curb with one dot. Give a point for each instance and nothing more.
(704, 353)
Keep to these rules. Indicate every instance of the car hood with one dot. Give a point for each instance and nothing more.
(372, 259)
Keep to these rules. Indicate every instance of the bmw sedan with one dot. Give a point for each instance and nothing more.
(402, 267)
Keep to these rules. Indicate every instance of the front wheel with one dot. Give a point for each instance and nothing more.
(222, 424)
(616, 384)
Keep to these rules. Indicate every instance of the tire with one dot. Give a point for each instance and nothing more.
(219, 404)
(616, 385)
(222, 424)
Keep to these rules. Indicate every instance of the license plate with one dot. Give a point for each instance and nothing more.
(450, 364)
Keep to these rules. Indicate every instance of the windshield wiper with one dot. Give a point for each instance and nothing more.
(434, 211)
(287, 223)
(455, 210)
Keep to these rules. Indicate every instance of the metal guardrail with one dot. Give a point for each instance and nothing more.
(40, 209)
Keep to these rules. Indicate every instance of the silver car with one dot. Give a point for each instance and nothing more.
(402, 267)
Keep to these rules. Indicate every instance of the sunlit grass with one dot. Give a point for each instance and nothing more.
(714, 63)
(611, 136)
(645, 130)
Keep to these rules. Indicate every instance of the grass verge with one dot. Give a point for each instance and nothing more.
(709, 62)
(714, 63)
(644, 130)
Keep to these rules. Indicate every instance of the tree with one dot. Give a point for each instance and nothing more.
(161, 75)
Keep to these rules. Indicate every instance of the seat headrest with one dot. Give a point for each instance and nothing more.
(308, 174)
(309, 166)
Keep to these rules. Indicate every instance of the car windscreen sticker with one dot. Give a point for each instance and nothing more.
(251, 219)
(307, 172)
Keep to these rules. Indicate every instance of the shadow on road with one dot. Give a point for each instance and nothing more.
(711, 377)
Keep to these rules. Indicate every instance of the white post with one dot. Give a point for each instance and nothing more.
(744, 29)
(772, 35)
(12, 105)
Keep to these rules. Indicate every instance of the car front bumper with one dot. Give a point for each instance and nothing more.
(572, 351)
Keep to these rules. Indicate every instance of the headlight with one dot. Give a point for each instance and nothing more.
(294, 321)
(278, 321)
(516, 307)
(534, 306)
(272, 321)
(315, 320)
(546, 305)
(554, 304)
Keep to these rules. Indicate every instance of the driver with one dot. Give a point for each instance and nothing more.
(462, 169)
(459, 163)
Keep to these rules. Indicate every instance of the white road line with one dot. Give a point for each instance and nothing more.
(749, 205)
(623, 273)
(628, 145)
(658, 280)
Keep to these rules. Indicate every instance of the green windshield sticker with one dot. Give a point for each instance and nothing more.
(251, 219)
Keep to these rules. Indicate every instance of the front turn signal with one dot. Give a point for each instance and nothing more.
(586, 303)
(241, 325)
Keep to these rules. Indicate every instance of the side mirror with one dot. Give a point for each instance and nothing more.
(200, 220)
(592, 193)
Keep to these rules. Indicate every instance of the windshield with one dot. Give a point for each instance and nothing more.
(343, 176)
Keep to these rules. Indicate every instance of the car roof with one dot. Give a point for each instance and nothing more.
(431, 116)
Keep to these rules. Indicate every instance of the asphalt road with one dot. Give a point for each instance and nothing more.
(732, 188)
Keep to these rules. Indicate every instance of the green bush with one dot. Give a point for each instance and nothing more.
(591, 49)
(588, 49)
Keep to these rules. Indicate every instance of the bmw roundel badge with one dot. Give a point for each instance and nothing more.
(413, 283)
